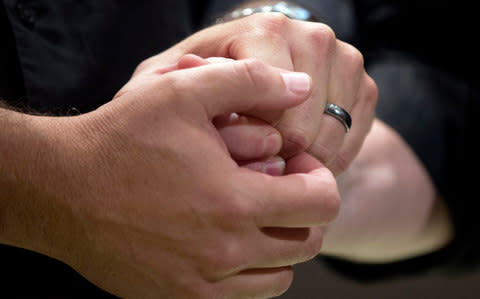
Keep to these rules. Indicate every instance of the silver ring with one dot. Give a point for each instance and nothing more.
(340, 114)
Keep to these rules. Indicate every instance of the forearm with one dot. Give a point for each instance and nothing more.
(30, 214)
(372, 246)
(18, 144)
(390, 208)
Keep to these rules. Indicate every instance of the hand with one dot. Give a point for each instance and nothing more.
(152, 204)
(251, 142)
(336, 69)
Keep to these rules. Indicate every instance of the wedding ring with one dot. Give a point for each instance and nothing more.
(340, 114)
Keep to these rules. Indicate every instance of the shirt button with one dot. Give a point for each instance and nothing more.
(27, 13)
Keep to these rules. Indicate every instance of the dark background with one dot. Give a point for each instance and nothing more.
(313, 280)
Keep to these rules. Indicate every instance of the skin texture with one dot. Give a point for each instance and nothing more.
(142, 196)
(336, 69)
(422, 224)
(390, 209)
(121, 195)
(127, 201)
(370, 234)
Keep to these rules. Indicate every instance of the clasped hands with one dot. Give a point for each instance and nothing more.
(173, 214)
(336, 69)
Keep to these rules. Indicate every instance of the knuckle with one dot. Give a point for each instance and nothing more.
(234, 255)
(147, 65)
(176, 88)
(371, 94)
(352, 56)
(143, 65)
(256, 73)
(313, 247)
(322, 36)
(272, 22)
(330, 206)
(283, 283)
(333, 205)
(342, 162)
(296, 140)
(242, 206)
(323, 150)
(178, 95)
(253, 67)
(234, 210)
(225, 258)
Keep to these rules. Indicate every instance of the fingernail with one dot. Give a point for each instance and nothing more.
(219, 59)
(272, 144)
(274, 166)
(297, 83)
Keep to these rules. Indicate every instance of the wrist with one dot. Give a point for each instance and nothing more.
(34, 211)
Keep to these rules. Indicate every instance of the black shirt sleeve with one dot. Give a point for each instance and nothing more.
(12, 88)
(79, 54)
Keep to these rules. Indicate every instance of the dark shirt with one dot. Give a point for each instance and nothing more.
(72, 56)
(78, 53)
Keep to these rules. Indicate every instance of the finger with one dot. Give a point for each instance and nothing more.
(314, 47)
(346, 73)
(227, 40)
(192, 60)
(302, 163)
(272, 166)
(296, 200)
(185, 62)
(257, 283)
(238, 86)
(188, 61)
(291, 246)
(248, 138)
(363, 115)
(274, 50)
(346, 76)
(266, 43)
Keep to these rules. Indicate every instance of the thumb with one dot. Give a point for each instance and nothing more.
(241, 86)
